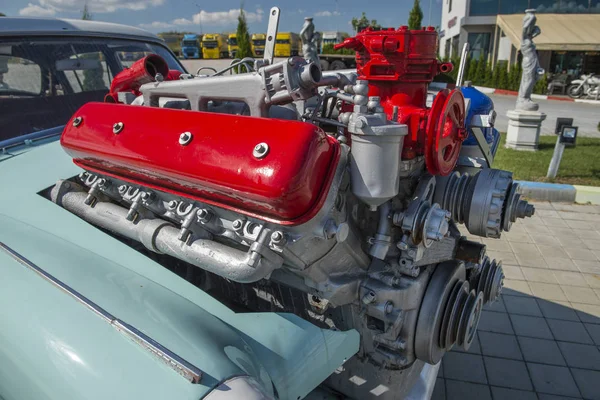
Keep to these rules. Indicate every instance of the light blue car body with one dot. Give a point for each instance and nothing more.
(54, 347)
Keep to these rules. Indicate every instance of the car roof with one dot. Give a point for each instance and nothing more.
(71, 27)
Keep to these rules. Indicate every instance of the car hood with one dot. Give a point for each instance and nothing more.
(56, 347)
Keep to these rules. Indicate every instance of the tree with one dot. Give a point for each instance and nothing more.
(479, 76)
(514, 77)
(85, 14)
(416, 16)
(92, 78)
(2, 15)
(488, 78)
(243, 37)
(495, 76)
(502, 76)
(363, 22)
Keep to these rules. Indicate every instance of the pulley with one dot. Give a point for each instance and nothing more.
(445, 132)
(449, 313)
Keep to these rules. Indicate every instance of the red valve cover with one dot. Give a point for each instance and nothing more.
(217, 166)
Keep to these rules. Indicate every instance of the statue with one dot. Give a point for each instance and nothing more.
(310, 40)
(530, 63)
(525, 123)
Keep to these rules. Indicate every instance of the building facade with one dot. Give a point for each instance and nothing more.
(570, 39)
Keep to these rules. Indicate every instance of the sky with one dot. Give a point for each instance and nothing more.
(216, 16)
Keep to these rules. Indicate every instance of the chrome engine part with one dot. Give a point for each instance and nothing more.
(340, 220)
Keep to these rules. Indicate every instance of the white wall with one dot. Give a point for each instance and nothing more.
(459, 10)
(504, 48)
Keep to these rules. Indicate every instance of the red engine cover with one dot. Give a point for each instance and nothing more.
(217, 166)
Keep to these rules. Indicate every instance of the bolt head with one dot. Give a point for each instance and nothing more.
(77, 121)
(118, 127)
(277, 237)
(260, 150)
(203, 215)
(185, 138)
(238, 224)
(172, 205)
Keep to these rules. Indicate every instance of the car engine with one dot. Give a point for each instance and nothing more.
(336, 195)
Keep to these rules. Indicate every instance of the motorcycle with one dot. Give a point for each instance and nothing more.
(587, 85)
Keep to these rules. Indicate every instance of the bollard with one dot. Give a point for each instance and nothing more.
(556, 157)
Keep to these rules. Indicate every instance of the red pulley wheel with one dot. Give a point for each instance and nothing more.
(445, 132)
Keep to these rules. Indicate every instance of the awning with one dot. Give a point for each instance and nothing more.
(574, 32)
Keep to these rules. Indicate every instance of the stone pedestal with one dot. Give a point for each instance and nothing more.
(524, 129)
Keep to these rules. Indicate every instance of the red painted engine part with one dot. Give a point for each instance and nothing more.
(142, 71)
(399, 65)
(287, 186)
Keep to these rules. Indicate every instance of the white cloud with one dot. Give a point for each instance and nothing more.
(33, 10)
(326, 13)
(225, 17)
(182, 21)
(157, 25)
(51, 7)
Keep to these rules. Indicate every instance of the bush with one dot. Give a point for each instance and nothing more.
(328, 49)
(541, 86)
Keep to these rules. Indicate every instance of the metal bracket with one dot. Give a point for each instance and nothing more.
(483, 145)
(271, 35)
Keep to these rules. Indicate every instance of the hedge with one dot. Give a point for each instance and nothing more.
(480, 73)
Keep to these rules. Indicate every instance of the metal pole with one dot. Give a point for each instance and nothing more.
(461, 68)
(556, 157)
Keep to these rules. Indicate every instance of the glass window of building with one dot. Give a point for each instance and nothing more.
(563, 6)
(494, 7)
(484, 7)
(455, 46)
(513, 6)
(571, 62)
(479, 45)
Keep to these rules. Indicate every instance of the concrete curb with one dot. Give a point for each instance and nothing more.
(534, 96)
(557, 192)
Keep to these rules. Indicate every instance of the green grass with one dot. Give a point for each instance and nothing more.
(579, 165)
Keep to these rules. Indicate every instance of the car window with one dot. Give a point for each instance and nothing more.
(19, 75)
(129, 57)
(87, 79)
(51, 77)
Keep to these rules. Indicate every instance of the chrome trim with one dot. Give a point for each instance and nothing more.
(181, 366)
(30, 138)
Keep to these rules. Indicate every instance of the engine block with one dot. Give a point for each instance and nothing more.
(341, 188)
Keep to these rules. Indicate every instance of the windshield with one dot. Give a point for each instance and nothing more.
(259, 42)
(191, 43)
(210, 44)
(44, 80)
(233, 41)
(282, 41)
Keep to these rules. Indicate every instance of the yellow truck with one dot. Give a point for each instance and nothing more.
(214, 45)
(287, 44)
(173, 41)
(232, 45)
(258, 44)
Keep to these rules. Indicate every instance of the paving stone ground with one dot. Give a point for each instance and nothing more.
(542, 339)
